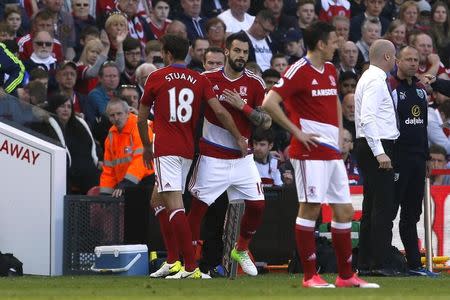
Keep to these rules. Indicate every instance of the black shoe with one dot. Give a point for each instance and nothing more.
(386, 272)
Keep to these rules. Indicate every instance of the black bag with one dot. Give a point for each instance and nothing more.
(10, 265)
(326, 258)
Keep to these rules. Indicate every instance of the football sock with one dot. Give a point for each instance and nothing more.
(342, 243)
(306, 246)
(167, 233)
(251, 220)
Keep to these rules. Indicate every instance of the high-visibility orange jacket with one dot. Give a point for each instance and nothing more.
(123, 156)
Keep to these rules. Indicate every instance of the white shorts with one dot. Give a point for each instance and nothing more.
(321, 181)
(171, 172)
(213, 176)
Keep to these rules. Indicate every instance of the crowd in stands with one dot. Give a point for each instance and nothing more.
(78, 55)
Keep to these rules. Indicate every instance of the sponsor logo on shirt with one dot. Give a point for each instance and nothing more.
(324, 92)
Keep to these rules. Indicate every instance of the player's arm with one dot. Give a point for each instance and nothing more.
(147, 156)
(257, 116)
(227, 121)
(271, 104)
(340, 124)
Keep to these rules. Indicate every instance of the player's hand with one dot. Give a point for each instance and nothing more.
(243, 145)
(147, 156)
(384, 161)
(117, 193)
(233, 98)
(307, 139)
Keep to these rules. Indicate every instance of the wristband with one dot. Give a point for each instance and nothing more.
(247, 109)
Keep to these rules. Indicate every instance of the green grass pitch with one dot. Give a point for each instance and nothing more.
(268, 286)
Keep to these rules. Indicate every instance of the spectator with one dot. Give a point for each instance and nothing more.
(267, 165)
(270, 78)
(215, 32)
(348, 57)
(197, 54)
(305, 13)
(261, 48)
(5, 33)
(152, 49)
(81, 19)
(424, 14)
(177, 28)
(159, 17)
(349, 159)
(279, 63)
(35, 93)
(438, 123)
(98, 98)
(211, 9)
(39, 75)
(329, 9)
(42, 57)
(66, 77)
(130, 95)
(409, 14)
(283, 22)
(440, 30)
(348, 114)
(83, 172)
(123, 165)
(214, 58)
(438, 158)
(195, 25)
(63, 26)
(42, 21)
(293, 45)
(429, 62)
(342, 25)
(136, 24)
(372, 12)
(88, 33)
(370, 32)
(133, 58)
(116, 30)
(236, 17)
(142, 73)
(13, 19)
(347, 83)
(396, 33)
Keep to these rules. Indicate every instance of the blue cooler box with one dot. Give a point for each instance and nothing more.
(125, 260)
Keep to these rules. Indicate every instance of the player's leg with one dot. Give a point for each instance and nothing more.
(310, 191)
(172, 265)
(209, 180)
(246, 184)
(172, 172)
(338, 195)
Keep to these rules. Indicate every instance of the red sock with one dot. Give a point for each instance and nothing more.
(250, 221)
(195, 217)
(342, 243)
(306, 246)
(168, 236)
(183, 235)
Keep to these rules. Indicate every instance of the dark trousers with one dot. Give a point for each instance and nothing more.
(378, 209)
(409, 192)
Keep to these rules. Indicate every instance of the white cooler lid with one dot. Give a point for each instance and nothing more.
(120, 249)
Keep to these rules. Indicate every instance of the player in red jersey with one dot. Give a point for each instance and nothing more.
(220, 167)
(176, 95)
(308, 88)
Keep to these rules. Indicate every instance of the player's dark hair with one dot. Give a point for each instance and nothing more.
(239, 36)
(260, 135)
(317, 31)
(176, 45)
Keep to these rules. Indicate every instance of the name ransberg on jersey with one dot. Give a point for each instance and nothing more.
(182, 76)
(324, 92)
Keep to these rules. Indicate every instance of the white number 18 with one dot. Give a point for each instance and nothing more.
(181, 111)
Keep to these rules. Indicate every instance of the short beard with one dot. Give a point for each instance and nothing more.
(235, 67)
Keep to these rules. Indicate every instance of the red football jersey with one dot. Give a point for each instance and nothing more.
(176, 94)
(216, 140)
(310, 97)
(84, 84)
